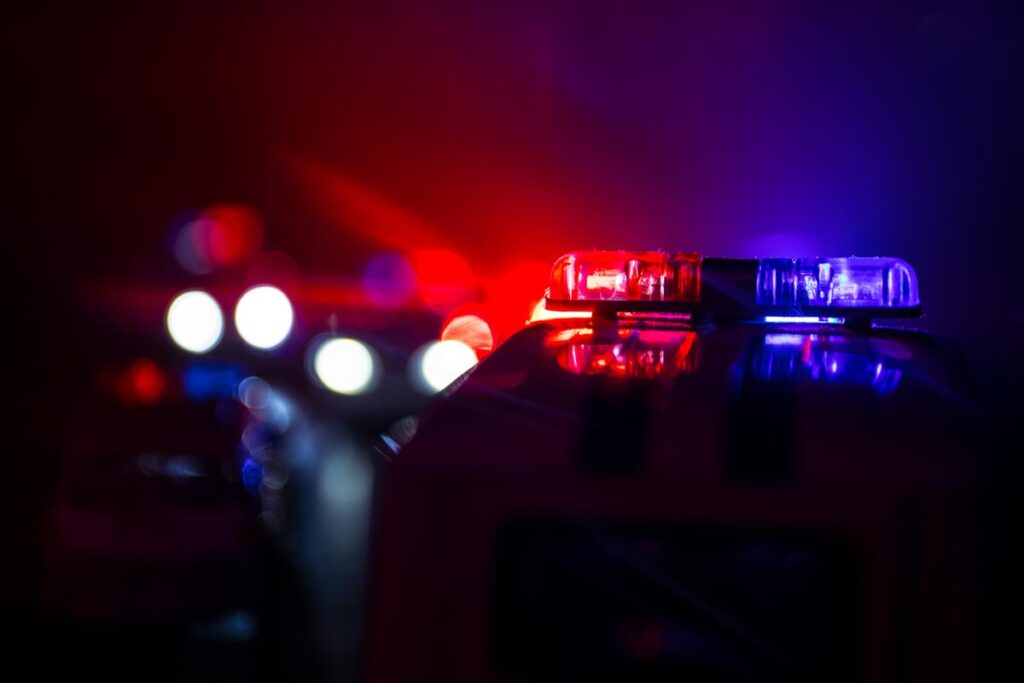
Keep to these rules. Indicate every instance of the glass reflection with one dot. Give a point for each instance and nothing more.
(625, 353)
(824, 358)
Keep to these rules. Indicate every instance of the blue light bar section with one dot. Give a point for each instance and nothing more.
(842, 283)
(803, 319)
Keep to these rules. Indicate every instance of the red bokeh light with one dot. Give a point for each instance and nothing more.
(221, 236)
(645, 640)
(142, 383)
(509, 295)
(445, 279)
(237, 235)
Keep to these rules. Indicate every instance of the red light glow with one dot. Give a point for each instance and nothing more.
(626, 276)
(627, 353)
(445, 278)
(541, 313)
(222, 236)
(237, 234)
(360, 208)
(143, 383)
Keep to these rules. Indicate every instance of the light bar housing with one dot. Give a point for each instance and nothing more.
(599, 276)
(657, 281)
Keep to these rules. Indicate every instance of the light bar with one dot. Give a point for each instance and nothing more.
(828, 289)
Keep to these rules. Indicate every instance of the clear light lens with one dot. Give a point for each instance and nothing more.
(625, 276)
(837, 283)
(345, 366)
(195, 322)
(264, 317)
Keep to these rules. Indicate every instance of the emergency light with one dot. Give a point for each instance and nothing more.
(802, 289)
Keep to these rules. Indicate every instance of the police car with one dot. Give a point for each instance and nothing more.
(689, 468)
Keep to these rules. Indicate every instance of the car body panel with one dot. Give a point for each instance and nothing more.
(852, 449)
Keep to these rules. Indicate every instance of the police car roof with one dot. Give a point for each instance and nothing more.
(681, 401)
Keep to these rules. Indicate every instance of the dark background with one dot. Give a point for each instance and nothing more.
(519, 130)
(510, 132)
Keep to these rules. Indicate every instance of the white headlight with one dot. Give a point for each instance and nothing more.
(264, 317)
(194, 321)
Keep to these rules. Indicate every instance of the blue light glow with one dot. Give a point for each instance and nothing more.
(824, 359)
(786, 339)
(252, 475)
(204, 381)
(854, 282)
(803, 319)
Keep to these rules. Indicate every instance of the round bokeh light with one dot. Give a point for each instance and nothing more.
(437, 364)
(195, 321)
(345, 366)
(264, 317)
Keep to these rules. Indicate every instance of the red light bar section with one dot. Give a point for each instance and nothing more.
(626, 276)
